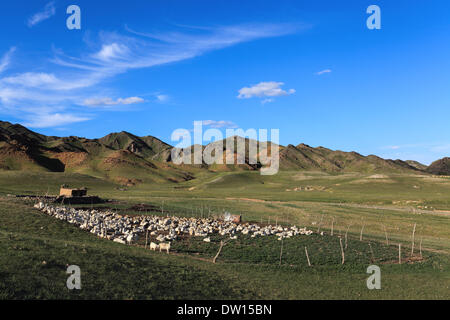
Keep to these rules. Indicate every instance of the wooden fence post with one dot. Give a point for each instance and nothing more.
(360, 235)
(342, 250)
(281, 250)
(346, 232)
(146, 237)
(371, 252)
(412, 245)
(385, 233)
(218, 252)
(320, 223)
(420, 247)
(307, 257)
(399, 253)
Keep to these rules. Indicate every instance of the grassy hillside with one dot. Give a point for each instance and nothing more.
(120, 157)
(440, 167)
(394, 202)
(23, 149)
(317, 188)
(304, 157)
(36, 249)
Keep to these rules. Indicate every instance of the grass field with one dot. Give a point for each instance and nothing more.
(35, 248)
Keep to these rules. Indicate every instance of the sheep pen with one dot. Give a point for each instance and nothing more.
(250, 243)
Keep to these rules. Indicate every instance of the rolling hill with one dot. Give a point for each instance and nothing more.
(304, 157)
(129, 159)
(440, 167)
(121, 157)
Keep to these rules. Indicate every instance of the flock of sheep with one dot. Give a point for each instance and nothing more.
(127, 229)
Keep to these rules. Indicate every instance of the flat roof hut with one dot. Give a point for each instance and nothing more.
(70, 192)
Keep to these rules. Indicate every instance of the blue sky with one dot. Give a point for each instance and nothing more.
(312, 69)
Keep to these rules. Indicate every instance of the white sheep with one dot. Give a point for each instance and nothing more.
(130, 238)
(119, 240)
(164, 246)
(153, 246)
(124, 229)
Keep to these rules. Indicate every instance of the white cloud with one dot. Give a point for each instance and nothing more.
(162, 97)
(73, 80)
(206, 38)
(6, 59)
(323, 72)
(50, 81)
(112, 51)
(131, 100)
(406, 146)
(98, 102)
(53, 120)
(219, 124)
(32, 79)
(264, 89)
(11, 96)
(49, 11)
(118, 54)
(268, 100)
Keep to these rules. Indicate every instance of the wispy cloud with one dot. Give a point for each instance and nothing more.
(48, 11)
(393, 147)
(53, 119)
(205, 39)
(113, 51)
(119, 53)
(219, 124)
(6, 59)
(406, 146)
(99, 102)
(268, 100)
(323, 72)
(263, 90)
(31, 79)
(74, 81)
(162, 97)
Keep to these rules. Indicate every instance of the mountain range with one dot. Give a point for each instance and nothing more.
(130, 159)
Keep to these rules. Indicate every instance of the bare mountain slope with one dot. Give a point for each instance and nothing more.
(123, 155)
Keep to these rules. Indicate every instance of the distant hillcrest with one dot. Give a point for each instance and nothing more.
(304, 157)
(440, 167)
(121, 157)
(129, 159)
